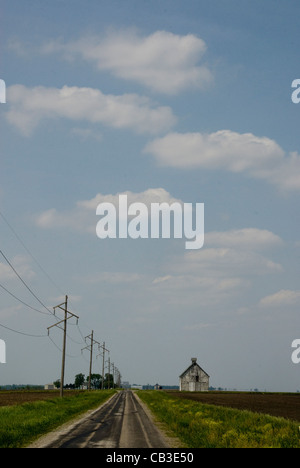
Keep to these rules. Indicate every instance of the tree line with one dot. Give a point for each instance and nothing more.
(81, 381)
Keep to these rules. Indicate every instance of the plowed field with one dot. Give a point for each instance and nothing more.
(276, 404)
(12, 398)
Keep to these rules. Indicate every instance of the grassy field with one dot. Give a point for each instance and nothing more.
(199, 425)
(20, 424)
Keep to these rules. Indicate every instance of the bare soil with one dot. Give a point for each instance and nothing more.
(15, 397)
(285, 405)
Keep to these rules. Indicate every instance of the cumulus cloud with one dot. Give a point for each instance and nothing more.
(221, 273)
(164, 62)
(258, 157)
(281, 298)
(83, 216)
(29, 106)
(224, 269)
(223, 261)
(233, 258)
(246, 239)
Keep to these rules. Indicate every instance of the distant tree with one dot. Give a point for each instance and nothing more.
(108, 381)
(96, 380)
(70, 386)
(56, 384)
(79, 380)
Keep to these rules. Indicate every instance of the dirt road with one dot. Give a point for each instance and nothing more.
(120, 423)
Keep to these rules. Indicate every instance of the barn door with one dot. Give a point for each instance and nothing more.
(192, 386)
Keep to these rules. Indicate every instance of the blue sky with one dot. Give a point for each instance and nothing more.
(170, 99)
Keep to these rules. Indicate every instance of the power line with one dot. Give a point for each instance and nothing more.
(22, 302)
(22, 333)
(27, 287)
(29, 252)
(49, 312)
(60, 350)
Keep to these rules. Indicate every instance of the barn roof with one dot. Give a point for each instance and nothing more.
(194, 364)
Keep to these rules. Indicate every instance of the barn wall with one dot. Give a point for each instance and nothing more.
(195, 380)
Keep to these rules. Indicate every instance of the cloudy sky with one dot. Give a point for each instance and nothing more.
(164, 101)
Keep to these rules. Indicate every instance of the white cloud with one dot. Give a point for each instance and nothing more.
(222, 271)
(281, 298)
(246, 239)
(189, 287)
(222, 274)
(259, 157)
(233, 254)
(233, 262)
(83, 216)
(163, 61)
(157, 195)
(115, 278)
(29, 106)
(162, 279)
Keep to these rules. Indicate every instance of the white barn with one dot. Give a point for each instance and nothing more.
(194, 379)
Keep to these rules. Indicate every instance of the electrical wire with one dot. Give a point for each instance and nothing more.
(60, 350)
(22, 333)
(27, 287)
(41, 268)
(22, 302)
(29, 252)
(49, 312)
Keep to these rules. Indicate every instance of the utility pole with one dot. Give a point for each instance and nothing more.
(68, 315)
(103, 364)
(113, 374)
(118, 377)
(109, 373)
(90, 348)
(91, 359)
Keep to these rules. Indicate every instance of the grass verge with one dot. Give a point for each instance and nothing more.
(22, 424)
(200, 425)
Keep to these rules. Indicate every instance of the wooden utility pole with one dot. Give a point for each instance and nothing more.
(91, 359)
(90, 348)
(109, 373)
(63, 365)
(68, 315)
(113, 374)
(103, 364)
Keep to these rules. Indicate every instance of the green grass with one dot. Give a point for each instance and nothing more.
(21, 424)
(200, 425)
